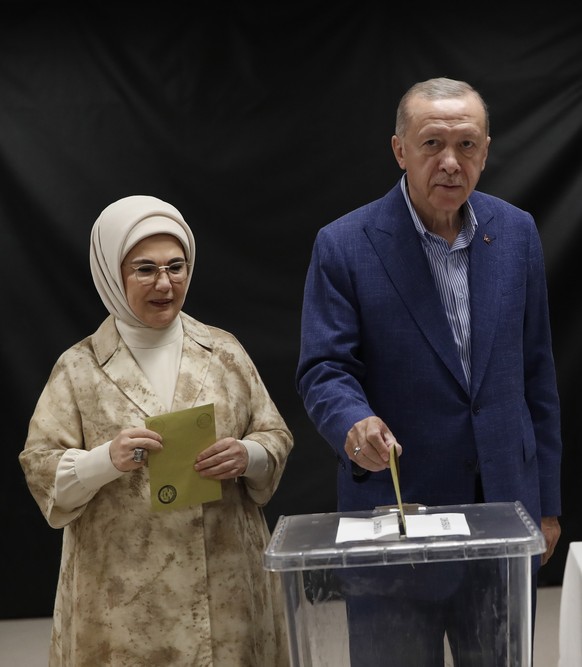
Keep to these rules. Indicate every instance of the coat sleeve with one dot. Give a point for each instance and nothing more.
(330, 372)
(540, 381)
(267, 427)
(54, 429)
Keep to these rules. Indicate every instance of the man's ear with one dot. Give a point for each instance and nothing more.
(398, 152)
(486, 153)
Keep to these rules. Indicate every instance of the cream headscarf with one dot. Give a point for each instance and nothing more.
(120, 227)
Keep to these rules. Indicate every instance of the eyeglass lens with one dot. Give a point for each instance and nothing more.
(148, 273)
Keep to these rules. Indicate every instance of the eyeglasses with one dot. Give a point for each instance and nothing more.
(147, 274)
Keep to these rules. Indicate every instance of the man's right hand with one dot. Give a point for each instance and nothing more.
(368, 444)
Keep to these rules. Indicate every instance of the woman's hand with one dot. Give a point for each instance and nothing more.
(122, 447)
(225, 459)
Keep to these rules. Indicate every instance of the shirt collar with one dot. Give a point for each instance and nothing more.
(469, 218)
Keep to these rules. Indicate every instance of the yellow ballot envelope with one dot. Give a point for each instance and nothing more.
(395, 470)
(174, 483)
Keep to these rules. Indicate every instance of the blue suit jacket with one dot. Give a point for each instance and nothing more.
(375, 340)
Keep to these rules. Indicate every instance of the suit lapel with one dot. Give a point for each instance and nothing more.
(485, 291)
(396, 241)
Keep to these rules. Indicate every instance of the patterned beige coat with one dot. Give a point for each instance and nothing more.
(184, 588)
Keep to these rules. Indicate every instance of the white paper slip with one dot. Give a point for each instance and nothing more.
(424, 525)
(351, 529)
(386, 526)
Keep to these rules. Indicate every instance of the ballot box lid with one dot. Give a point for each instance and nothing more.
(497, 530)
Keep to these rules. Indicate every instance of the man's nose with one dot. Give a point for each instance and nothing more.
(449, 161)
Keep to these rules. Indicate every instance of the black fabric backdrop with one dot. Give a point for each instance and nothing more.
(261, 122)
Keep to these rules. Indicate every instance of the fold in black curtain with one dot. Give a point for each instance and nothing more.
(261, 123)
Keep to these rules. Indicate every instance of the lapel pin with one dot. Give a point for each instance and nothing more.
(486, 239)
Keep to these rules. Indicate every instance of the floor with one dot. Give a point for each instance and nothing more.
(24, 642)
(547, 625)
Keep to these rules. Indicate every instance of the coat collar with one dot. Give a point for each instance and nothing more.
(120, 367)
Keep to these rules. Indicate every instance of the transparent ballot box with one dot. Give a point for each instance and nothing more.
(360, 593)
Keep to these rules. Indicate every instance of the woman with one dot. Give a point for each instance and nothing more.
(175, 588)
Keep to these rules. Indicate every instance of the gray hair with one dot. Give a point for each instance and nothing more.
(435, 89)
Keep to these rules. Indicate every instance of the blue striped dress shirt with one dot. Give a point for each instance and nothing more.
(450, 269)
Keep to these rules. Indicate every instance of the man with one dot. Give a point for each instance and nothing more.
(425, 327)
